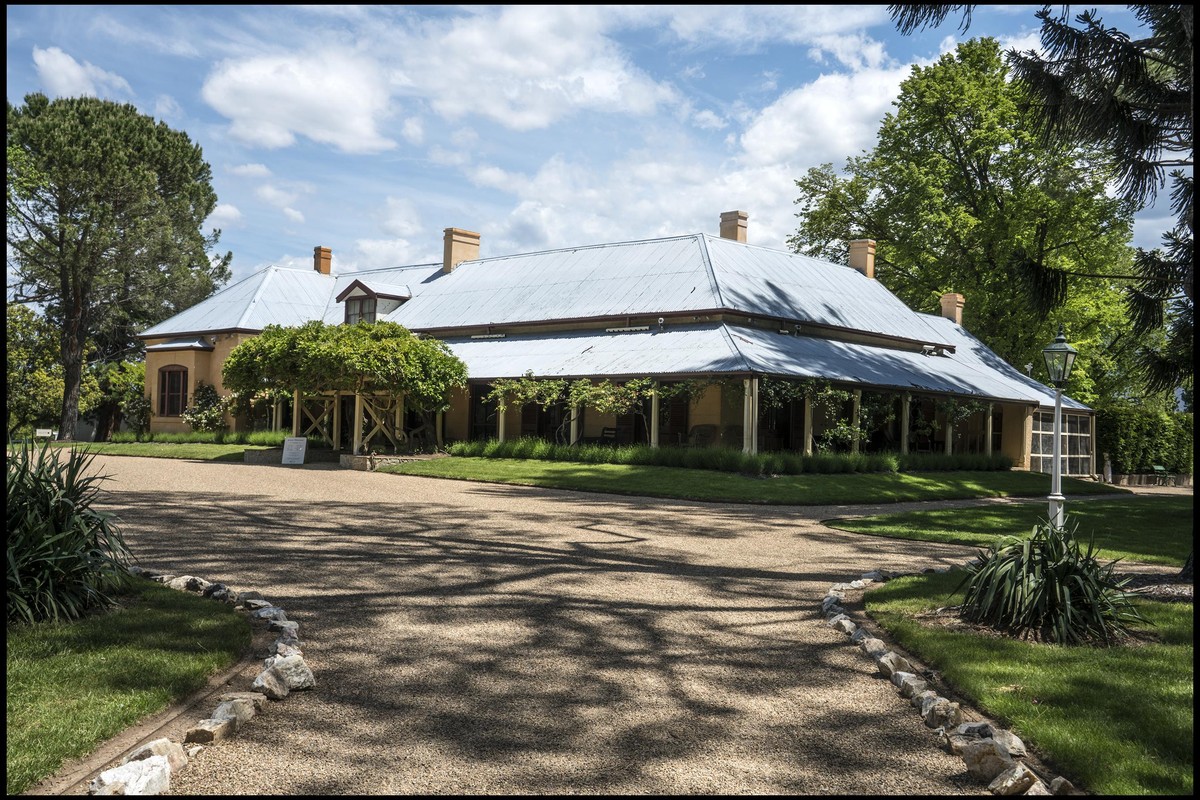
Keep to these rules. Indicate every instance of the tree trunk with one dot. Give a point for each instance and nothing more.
(108, 420)
(1185, 574)
(72, 356)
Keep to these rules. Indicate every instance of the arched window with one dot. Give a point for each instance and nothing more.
(172, 390)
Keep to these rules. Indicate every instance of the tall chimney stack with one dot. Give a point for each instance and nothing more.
(862, 256)
(322, 258)
(733, 225)
(952, 306)
(459, 246)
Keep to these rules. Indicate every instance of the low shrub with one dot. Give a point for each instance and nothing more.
(721, 459)
(1048, 587)
(254, 438)
(64, 557)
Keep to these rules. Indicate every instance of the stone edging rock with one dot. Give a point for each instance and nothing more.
(147, 769)
(990, 753)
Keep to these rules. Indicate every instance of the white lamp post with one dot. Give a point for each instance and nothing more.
(1060, 357)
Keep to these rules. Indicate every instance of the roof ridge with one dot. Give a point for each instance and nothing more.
(708, 268)
(257, 294)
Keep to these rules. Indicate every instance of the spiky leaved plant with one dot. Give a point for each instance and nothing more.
(1049, 587)
(64, 556)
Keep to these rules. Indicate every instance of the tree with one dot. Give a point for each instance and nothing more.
(962, 196)
(34, 384)
(122, 390)
(1132, 98)
(105, 208)
(374, 357)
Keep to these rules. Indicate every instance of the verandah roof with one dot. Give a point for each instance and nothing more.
(722, 349)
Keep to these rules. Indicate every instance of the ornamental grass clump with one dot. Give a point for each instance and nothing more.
(64, 557)
(1048, 587)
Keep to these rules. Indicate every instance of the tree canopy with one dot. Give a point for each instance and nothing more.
(317, 357)
(962, 195)
(1133, 99)
(34, 381)
(105, 215)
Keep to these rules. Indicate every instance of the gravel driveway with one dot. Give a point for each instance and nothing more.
(475, 638)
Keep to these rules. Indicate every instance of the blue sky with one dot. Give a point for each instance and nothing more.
(370, 129)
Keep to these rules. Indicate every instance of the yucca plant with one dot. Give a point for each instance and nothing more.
(64, 556)
(1049, 587)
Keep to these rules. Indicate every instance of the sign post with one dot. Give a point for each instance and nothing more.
(294, 448)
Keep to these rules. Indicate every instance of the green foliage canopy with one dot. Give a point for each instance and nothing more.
(105, 209)
(34, 385)
(962, 195)
(366, 357)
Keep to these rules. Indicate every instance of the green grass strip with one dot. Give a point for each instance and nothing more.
(195, 452)
(1114, 720)
(693, 484)
(70, 687)
(1156, 530)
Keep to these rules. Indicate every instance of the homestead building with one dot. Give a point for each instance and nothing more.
(672, 309)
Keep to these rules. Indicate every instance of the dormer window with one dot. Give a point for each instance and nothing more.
(360, 309)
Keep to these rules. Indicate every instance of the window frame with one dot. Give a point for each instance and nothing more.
(360, 309)
(165, 393)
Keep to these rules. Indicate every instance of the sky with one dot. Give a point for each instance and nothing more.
(370, 129)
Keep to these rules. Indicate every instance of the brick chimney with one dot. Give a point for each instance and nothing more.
(862, 256)
(322, 258)
(459, 246)
(733, 225)
(952, 306)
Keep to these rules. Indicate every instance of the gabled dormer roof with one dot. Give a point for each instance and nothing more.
(374, 288)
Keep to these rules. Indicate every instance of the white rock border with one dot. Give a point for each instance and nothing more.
(147, 769)
(989, 752)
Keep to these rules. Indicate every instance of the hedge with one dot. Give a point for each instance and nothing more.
(1137, 439)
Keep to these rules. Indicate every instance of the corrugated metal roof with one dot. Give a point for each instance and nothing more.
(621, 279)
(702, 349)
(271, 296)
(719, 348)
(186, 343)
(773, 283)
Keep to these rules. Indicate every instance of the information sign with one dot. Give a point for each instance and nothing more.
(294, 448)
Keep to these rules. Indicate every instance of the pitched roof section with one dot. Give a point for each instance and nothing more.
(577, 354)
(661, 276)
(773, 283)
(695, 273)
(716, 348)
(271, 296)
(614, 280)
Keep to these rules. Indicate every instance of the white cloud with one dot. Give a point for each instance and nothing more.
(105, 27)
(274, 195)
(251, 171)
(377, 253)
(527, 67)
(826, 120)
(293, 215)
(1028, 41)
(401, 218)
(331, 97)
(708, 120)
(165, 107)
(750, 26)
(413, 131)
(856, 51)
(63, 76)
(224, 215)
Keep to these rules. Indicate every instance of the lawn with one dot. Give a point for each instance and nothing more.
(72, 686)
(1114, 720)
(695, 484)
(1156, 530)
(196, 452)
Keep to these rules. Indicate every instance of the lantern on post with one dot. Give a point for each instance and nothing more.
(1060, 357)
